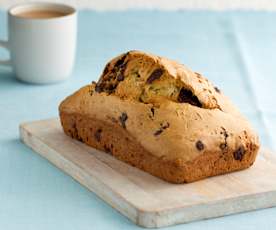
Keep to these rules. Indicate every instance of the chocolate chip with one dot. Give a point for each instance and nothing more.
(123, 67)
(120, 77)
(98, 135)
(152, 111)
(199, 145)
(156, 74)
(162, 128)
(239, 153)
(123, 119)
(111, 87)
(120, 61)
(151, 115)
(106, 69)
(98, 88)
(186, 96)
(217, 89)
(158, 132)
(223, 145)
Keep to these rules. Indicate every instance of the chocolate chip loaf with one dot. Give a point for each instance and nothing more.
(159, 116)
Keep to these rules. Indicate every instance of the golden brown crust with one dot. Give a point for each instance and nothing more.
(113, 139)
(179, 126)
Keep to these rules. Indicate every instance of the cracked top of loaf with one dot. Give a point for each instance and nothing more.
(152, 79)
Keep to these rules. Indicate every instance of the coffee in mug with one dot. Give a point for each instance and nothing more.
(41, 14)
(41, 42)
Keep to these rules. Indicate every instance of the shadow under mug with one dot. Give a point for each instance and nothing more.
(42, 50)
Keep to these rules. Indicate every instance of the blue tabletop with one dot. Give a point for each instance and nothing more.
(236, 50)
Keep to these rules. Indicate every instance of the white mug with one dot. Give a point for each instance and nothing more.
(42, 50)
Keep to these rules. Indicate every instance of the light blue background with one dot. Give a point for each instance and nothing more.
(236, 50)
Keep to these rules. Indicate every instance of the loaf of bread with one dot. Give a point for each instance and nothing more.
(161, 117)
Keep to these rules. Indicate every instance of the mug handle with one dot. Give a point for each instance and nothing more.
(5, 45)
